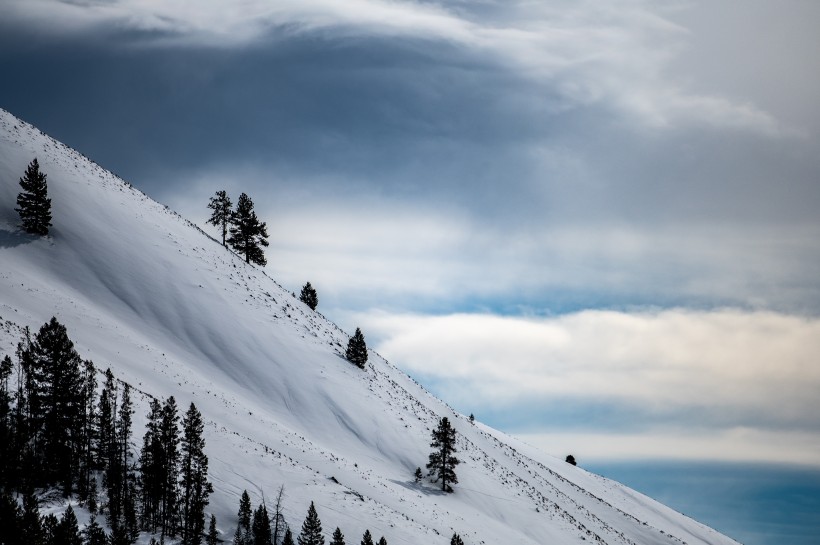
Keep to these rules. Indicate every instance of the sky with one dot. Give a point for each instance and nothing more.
(594, 225)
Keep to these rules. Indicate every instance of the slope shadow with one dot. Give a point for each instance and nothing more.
(419, 487)
(11, 238)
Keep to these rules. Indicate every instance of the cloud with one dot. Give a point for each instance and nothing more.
(739, 377)
(732, 445)
(586, 53)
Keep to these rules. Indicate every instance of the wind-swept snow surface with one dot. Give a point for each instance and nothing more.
(147, 293)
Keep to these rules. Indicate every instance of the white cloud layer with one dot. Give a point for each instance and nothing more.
(615, 53)
(733, 380)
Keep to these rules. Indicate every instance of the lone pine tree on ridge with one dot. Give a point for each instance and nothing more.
(248, 234)
(442, 461)
(34, 204)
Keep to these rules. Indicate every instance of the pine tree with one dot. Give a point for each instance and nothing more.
(56, 403)
(68, 531)
(382, 541)
(456, 540)
(311, 529)
(106, 425)
(94, 534)
(169, 468)
(243, 529)
(338, 537)
(357, 349)
(34, 204)
(194, 477)
(50, 524)
(442, 462)
(121, 477)
(6, 424)
(417, 475)
(221, 205)
(309, 297)
(11, 517)
(31, 528)
(151, 470)
(213, 536)
(367, 539)
(260, 527)
(88, 429)
(288, 538)
(248, 234)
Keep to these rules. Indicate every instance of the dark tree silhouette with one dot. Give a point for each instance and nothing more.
(357, 349)
(311, 529)
(309, 296)
(338, 537)
(248, 234)
(571, 459)
(34, 204)
(221, 205)
(456, 540)
(194, 473)
(367, 539)
(442, 461)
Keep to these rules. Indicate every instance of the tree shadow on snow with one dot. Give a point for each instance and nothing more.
(9, 238)
(420, 487)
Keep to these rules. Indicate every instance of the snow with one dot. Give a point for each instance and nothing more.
(166, 307)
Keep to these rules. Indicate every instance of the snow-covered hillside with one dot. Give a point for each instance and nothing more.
(147, 293)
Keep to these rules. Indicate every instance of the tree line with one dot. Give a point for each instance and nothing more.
(56, 432)
(255, 528)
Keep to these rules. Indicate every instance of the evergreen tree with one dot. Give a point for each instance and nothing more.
(260, 527)
(120, 477)
(11, 517)
(94, 534)
(31, 528)
(22, 466)
(357, 349)
(55, 405)
(417, 475)
(367, 539)
(456, 540)
(68, 531)
(151, 469)
(88, 430)
(106, 424)
(50, 525)
(338, 537)
(382, 541)
(213, 536)
(288, 538)
(6, 424)
(311, 529)
(169, 468)
(34, 204)
(221, 205)
(442, 461)
(248, 234)
(245, 514)
(309, 296)
(194, 478)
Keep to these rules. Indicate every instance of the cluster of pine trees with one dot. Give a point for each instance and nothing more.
(259, 529)
(56, 432)
(241, 229)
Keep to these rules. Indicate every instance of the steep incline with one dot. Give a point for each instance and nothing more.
(149, 294)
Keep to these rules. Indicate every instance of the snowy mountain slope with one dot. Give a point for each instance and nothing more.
(173, 313)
